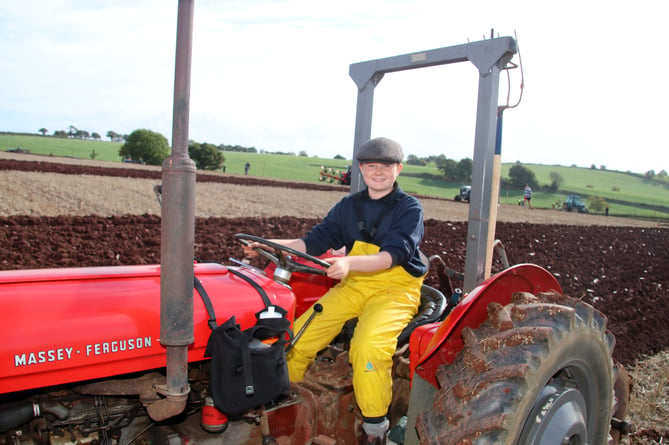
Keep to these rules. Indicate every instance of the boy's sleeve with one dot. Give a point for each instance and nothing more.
(327, 234)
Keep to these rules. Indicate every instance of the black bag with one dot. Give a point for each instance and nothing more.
(246, 372)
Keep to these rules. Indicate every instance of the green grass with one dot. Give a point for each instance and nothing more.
(301, 168)
(627, 194)
(612, 185)
(50, 146)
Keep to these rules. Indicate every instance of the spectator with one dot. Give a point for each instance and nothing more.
(528, 196)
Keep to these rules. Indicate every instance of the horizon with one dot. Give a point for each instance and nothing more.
(261, 151)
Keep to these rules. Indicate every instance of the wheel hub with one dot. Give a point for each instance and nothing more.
(559, 416)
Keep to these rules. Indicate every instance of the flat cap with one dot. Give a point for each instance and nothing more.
(380, 150)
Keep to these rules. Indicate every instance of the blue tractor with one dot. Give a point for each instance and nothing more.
(574, 202)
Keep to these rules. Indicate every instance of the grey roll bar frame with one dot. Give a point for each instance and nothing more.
(489, 57)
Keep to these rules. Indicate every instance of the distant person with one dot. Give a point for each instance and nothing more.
(247, 166)
(381, 275)
(527, 193)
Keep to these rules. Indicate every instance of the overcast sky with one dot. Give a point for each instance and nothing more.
(274, 74)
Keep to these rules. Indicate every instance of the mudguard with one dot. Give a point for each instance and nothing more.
(437, 344)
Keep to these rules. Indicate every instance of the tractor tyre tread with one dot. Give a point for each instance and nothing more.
(488, 392)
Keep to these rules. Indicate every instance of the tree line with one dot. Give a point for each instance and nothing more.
(76, 133)
(149, 147)
(461, 171)
(153, 148)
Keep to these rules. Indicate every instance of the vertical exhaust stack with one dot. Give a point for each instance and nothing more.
(178, 234)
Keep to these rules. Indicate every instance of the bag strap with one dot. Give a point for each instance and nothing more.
(239, 339)
(210, 307)
(248, 374)
(207, 303)
(255, 285)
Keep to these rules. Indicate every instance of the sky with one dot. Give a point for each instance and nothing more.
(274, 75)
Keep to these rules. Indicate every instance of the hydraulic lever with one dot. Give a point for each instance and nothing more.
(318, 308)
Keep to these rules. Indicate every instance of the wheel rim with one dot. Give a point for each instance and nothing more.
(559, 416)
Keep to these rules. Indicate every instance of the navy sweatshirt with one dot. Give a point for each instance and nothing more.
(396, 219)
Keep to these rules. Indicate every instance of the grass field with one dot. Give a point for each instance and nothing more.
(74, 148)
(627, 194)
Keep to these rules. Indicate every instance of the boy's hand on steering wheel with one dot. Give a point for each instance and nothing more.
(339, 267)
(250, 249)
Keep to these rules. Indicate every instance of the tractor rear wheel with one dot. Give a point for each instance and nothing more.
(537, 371)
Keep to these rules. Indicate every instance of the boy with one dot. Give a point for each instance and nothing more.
(381, 275)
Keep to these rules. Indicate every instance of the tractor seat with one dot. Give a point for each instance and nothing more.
(432, 306)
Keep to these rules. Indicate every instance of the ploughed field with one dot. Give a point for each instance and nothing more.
(619, 266)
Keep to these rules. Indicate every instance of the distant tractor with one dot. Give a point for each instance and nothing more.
(336, 176)
(465, 194)
(18, 150)
(574, 202)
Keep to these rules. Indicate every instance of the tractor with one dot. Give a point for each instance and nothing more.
(121, 354)
(335, 175)
(464, 195)
(574, 202)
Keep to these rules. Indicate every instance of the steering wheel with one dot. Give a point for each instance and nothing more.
(281, 260)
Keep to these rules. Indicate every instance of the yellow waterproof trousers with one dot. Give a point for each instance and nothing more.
(384, 303)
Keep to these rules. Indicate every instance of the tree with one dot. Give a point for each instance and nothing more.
(556, 181)
(60, 134)
(455, 171)
(415, 160)
(520, 175)
(464, 170)
(82, 134)
(145, 145)
(597, 203)
(448, 167)
(206, 156)
(96, 136)
(112, 135)
(43, 131)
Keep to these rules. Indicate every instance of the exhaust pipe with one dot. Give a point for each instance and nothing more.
(176, 391)
(153, 390)
(178, 234)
